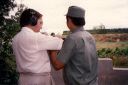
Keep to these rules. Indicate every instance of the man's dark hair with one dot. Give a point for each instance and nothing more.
(77, 21)
(29, 16)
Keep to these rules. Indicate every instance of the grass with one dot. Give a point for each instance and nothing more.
(111, 45)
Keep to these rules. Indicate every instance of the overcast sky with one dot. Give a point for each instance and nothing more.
(111, 13)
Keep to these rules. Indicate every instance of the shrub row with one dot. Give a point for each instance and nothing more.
(118, 55)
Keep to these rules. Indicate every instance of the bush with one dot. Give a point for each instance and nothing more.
(10, 26)
(118, 55)
(8, 74)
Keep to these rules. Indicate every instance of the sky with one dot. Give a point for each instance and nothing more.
(111, 13)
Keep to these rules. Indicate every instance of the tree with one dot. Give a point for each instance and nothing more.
(5, 7)
(8, 28)
(100, 29)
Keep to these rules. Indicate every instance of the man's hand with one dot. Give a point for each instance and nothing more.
(56, 63)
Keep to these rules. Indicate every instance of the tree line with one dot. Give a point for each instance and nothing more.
(108, 31)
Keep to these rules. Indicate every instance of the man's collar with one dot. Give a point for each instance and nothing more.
(77, 29)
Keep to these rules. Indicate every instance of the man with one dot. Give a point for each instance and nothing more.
(30, 48)
(78, 54)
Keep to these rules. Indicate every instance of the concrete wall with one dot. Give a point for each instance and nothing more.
(111, 76)
(107, 75)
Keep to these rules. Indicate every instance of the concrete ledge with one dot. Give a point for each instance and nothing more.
(106, 59)
(125, 69)
(107, 74)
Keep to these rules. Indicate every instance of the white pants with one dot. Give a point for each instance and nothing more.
(35, 79)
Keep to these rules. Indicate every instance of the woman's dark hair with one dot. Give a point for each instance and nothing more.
(77, 21)
(29, 16)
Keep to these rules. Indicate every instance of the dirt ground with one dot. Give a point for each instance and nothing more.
(111, 40)
(111, 37)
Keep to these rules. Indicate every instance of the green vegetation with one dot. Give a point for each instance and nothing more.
(101, 29)
(118, 55)
(8, 28)
(108, 31)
